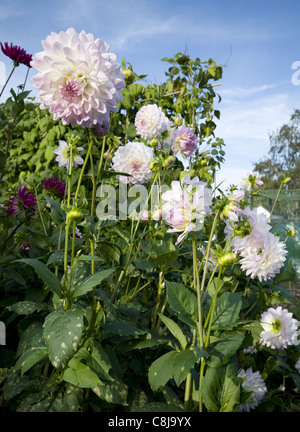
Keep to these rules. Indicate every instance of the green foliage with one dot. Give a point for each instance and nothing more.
(121, 318)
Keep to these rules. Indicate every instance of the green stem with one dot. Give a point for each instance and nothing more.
(84, 165)
(197, 286)
(40, 213)
(281, 184)
(207, 250)
(159, 291)
(67, 302)
(14, 67)
(212, 309)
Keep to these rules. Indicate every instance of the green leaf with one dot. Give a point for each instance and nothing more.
(221, 389)
(227, 310)
(26, 307)
(182, 301)
(30, 358)
(115, 392)
(62, 334)
(174, 329)
(172, 364)
(57, 214)
(92, 281)
(45, 274)
(122, 328)
(161, 370)
(80, 375)
(222, 350)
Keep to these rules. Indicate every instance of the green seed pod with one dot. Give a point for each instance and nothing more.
(227, 259)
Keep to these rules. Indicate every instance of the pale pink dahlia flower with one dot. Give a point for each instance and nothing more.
(150, 122)
(133, 159)
(185, 206)
(280, 328)
(79, 80)
(185, 142)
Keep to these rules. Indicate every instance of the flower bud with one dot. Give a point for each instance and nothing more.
(107, 156)
(154, 143)
(292, 232)
(129, 76)
(286, 180)
(227, 259)
(178, 121)
(169, 161)
(75, 215)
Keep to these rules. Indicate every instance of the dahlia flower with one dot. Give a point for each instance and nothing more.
(280, 328)
(297, 365)
(78, 78)
(185, 142)
(242, 231)
(255, 385)
(150, 122)
(24, 201)
(252, 181)
(68, 154)
(56, 186)
(133, 159)
(185, 206)
(77, 233)
(263, 257)
(17, 54)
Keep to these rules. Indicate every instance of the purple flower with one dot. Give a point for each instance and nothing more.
(101, 129)
(184, 141)
(56, 186)
(24, 201)
(16, 53)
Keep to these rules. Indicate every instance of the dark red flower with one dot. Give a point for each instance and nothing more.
(16, 53)
(24, 201)
(56, 186)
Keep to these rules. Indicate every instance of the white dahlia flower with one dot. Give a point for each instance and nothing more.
(263, 256)
(280, 328)
(185, 206)
(242, 231)
(133, 159)
(150, 122)
(78, 78)
(68, 154)
(255, 385)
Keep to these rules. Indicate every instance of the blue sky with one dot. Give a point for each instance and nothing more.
(257, 40)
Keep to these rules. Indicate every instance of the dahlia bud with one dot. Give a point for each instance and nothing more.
(292, 232)
(178, 121)
(107, 156)
(100, 130)
(227, 259)
(154, 143)
(129, 76)
(169, 161)
(286, 180)
(75, 215)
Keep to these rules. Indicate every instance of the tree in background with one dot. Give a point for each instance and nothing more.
(284, 156)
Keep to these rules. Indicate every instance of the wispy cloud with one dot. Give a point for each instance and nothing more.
(9, 10)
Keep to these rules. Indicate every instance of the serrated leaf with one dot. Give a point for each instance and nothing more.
(45, 274)
(182, 301)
